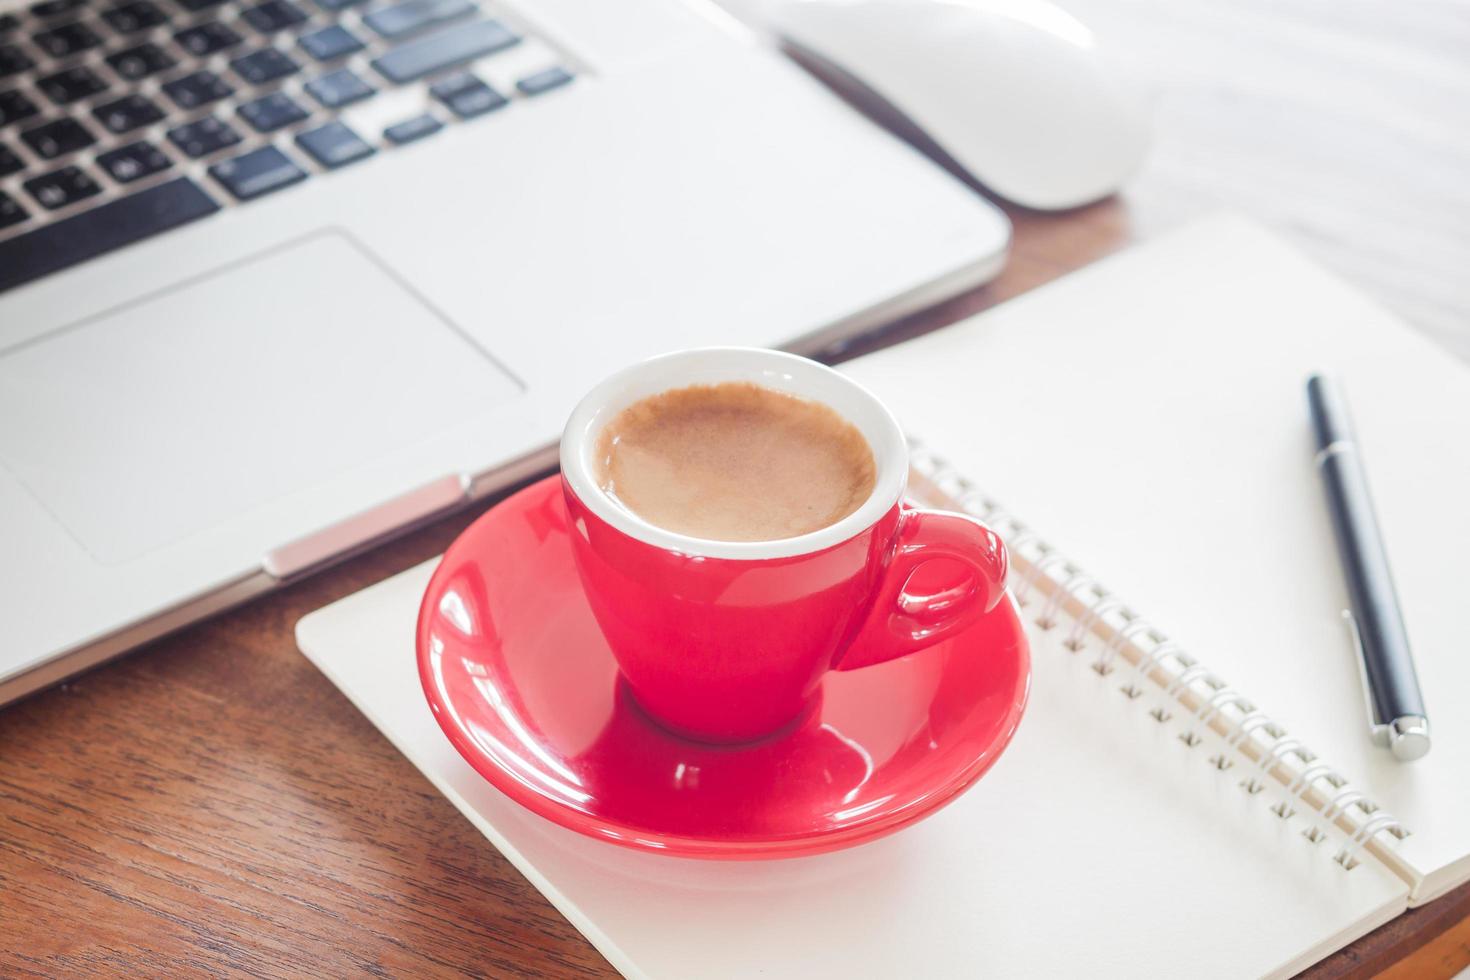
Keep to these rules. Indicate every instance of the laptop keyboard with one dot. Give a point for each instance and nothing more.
(121, 120)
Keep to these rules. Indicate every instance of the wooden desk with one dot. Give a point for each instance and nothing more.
(212, 805)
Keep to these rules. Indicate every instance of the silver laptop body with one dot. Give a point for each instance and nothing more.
(334, 353)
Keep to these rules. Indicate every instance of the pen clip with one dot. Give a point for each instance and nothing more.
(1378, 729)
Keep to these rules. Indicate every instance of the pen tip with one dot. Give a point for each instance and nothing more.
(1409, 738)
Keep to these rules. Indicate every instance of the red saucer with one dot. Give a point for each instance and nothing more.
(517, 673)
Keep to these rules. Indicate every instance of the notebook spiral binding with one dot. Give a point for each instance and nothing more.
(1044, 579)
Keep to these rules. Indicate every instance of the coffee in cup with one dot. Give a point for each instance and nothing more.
(735, 461)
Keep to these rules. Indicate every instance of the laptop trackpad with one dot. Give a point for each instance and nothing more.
(172, 414)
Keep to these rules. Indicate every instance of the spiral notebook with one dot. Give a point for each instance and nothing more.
(1191, 792)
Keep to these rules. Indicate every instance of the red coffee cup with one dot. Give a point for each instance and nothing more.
(726, 641)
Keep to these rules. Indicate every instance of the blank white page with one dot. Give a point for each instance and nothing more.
(1148, 414)
(1098, 844)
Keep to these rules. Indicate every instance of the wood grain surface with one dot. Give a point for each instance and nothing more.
(211, 805)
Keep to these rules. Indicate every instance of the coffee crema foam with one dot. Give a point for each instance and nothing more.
(735, 462)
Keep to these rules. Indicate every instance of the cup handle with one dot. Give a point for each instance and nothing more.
(901, 623)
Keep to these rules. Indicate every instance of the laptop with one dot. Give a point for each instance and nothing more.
(280, 278)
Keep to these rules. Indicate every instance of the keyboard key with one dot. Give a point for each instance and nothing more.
(8, 23)
(467, 96)
(62, 187)
(71, 85)
(444, 49)
(338, 88)
(330, 42)
(197, 89)
(414, 15)
(273, 15)
(204, 40)
(141, 61)
(101, 229)
(334, 145)
(265, 65)
(335, 5)
(544, 81)
(55, 8)
(9, 161)
(11, 213)
(271, 112)
(67, 40)
(133, 162)
(138, 15)
(127, 114)
(13, 60)
(204, 136)
(57, 138)
(412, 129)
(194, 6)
(14, 106)
(257, 173)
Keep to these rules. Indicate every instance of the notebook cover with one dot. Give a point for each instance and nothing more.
(1100, 841)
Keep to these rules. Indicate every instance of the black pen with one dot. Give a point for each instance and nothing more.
(1395, 705)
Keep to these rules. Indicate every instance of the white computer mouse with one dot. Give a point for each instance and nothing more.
(1014, 90)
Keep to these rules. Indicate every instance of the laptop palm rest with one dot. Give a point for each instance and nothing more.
(155, 420)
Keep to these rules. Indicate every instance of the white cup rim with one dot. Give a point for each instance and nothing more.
(711, 365)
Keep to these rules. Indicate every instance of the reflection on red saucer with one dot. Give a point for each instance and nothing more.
(519, 677)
